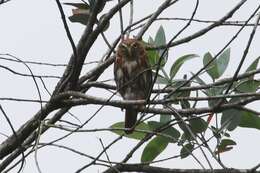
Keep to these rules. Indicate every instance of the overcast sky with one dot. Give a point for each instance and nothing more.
(33, 30)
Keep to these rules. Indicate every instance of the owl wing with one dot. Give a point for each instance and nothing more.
(145, 77)
(120, 76)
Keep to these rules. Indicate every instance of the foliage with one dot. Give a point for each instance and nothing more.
(83, 11)
(188, 110)
(195, 126)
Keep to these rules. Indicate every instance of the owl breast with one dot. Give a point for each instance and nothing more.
(133, 75)
(130, 66)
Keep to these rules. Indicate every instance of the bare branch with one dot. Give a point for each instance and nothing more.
(152, 169)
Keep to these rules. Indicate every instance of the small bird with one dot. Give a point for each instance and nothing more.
(133, 76)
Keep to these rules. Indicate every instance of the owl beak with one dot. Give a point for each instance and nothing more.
(128, 50)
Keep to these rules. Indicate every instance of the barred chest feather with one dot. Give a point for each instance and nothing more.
(130, 66)
(126, 68)
(126, 77)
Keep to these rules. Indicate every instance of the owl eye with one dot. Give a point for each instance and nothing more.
(123, 47)
(135, 45)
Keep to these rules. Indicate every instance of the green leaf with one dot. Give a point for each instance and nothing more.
(218, 90)
(222, 61)
(253, 66)
(250, 120)
(231, 118)
(212, 69)
(153, 149)
(160, 79)
(160, 40)
(186, 150)
(226, 134)
(78, 5)
(150, 41)
(199, 80)
(134, 135)
(165, 74)
(218, 66)
(225, 145)
(179, 62)
(216, 132)
(153, 55)
(186, 132)
(198, 125)
(177, 83)
(164, 118)
(170, 131)
(247, 86)
(153, 58)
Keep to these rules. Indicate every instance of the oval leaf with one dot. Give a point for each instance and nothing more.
(231, 118)
(253, 66)
(218, 66)
(153, 149)
(250, 120)
(215, 92)
(160, 40)
(186, 150)
(178, 63)
(198, 79)
(154, 56)
(222, 62)
(165, 118)
(134, 135)
(225, 145)
(170, 131)
(178, 83)
(212, 69)
(198, 125)
(247, 86)
(160, 79)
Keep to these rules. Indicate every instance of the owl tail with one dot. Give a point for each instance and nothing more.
(130, 119)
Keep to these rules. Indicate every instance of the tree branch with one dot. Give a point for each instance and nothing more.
(153, 169)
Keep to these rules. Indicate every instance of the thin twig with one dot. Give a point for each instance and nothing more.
(242, 59)
(39, 63)
(121, 20)
(227, 23)
(104, 150)
(130, 18)
(16, 136)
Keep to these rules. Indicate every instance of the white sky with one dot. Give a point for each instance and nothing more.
(33, 30)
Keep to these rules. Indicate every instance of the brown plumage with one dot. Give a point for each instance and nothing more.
(133, 76)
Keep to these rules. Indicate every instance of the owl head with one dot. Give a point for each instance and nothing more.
(131, 49)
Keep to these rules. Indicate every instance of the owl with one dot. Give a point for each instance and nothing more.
(133, 77)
